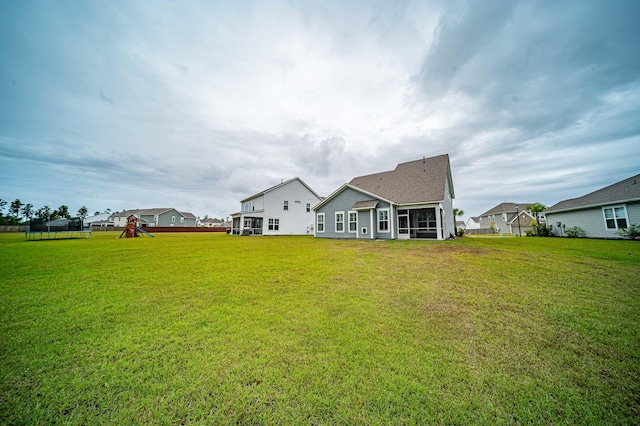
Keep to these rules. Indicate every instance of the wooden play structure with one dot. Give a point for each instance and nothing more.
(132, 230)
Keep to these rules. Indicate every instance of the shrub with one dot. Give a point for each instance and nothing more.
(574, 232)
(540, 230)
(632, 232)
(460, 232)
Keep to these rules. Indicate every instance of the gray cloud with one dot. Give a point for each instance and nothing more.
(204, 104)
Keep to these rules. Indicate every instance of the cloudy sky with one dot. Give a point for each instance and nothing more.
(199, 104)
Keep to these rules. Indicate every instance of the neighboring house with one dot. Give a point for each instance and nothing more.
(101, 220)
(412, 201)
(473, 223)
(503, 218)
(460, 224)
(211, 223)
(155, 217)
(283, 209)
(600, 214)
(520, 224)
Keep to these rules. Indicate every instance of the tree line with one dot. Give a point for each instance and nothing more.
(19, 212)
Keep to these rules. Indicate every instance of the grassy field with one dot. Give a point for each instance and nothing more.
(211, 328)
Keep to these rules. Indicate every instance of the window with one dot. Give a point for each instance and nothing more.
(504, 217)
(353, 222)
(308, 207)
(615, 217)
(320, 226)
(383, 220)
(246, 207)
(173, 218)
(182, 220)
(286, 205)
(274, 224)
(339, 221)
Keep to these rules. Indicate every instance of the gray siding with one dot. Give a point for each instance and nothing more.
(343, 202)
(501, 224)
(633, 211)
(392, 222)
(449, 224)
(591, 221)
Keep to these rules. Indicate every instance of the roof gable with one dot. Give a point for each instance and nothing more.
(416, 181)
(507, 208)
(623, 191)
(345, 186)
(261, 193)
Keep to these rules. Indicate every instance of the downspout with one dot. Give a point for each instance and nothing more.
(391, 214)
(439, 224)
(371, 222)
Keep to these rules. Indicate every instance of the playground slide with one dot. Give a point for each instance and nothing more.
(144, 232)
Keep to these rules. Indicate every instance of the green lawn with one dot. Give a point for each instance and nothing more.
(211, 328)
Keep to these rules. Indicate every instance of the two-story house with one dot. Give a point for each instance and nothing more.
(155, 217)
(507, 218)
(283, 209)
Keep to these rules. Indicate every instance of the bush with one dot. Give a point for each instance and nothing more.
(632, 232)
(574, 232)
(540, 230)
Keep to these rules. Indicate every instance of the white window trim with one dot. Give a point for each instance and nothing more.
(378, 211)
(285, 205)
(335, 227)
(615, 222)
(275, 223)
(173, 218)
(355, 231)
(324, 223)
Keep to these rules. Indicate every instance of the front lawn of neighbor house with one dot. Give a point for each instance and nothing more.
(212, 328)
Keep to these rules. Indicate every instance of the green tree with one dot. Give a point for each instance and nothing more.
(456, 213)
(44, 213)
(535, 210)
(82, 212)
(15, 207)
(2, 204)
(63, 212)
(27, 210)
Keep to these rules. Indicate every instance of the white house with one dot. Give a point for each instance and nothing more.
(473, 223)
(283, 209)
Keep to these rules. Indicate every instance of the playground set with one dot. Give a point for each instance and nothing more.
(132, 230)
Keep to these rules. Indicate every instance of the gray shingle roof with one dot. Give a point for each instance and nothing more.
(506, 208)
(623, 191)
(366, 204)
(411, 182)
